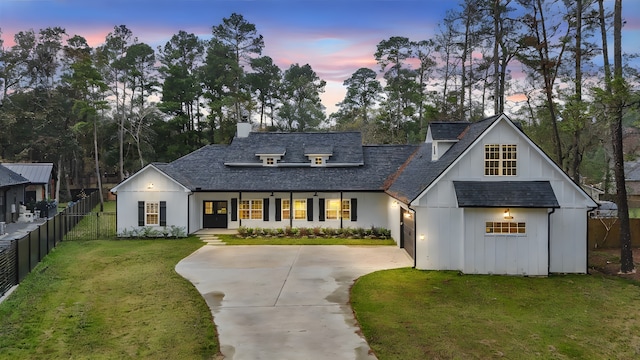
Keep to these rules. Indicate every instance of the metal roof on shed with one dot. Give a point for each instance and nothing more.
(36, 173)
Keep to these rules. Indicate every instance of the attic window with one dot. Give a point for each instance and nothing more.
(270, 160)
(500, 160)
(318, 160)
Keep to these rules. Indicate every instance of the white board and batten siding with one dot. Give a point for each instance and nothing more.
(151, 185)
(455, 238)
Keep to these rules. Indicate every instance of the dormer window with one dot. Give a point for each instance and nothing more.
(270, 160)
(318, 160)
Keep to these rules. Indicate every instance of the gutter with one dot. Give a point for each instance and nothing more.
(239, 164)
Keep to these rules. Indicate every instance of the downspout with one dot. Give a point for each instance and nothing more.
(415, 239)
(586, 271)
(238, 208)
(188, 212)
(291, 209)
(341, 209)
(549, 240)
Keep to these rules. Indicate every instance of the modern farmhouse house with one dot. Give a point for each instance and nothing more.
(475, 197)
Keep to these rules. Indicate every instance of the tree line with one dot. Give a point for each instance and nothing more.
(113, 108)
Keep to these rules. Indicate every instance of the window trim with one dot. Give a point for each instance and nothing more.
(148, 207)
(300, 213)
(250, 209)
(285, 209)
(519, 228)
(500, 159)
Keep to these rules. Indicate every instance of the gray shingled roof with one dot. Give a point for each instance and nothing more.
(36, 173)
(205, 169)
(345, 146)
(632, 170)
(419, 171)
(515, 194)
(447, 130)
(10, 178)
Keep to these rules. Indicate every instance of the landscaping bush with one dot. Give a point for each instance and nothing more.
(316, 232)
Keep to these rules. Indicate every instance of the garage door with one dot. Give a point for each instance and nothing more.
(407, 232)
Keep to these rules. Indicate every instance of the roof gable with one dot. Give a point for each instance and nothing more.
(10, 178)
(420, 171)
(155, 168)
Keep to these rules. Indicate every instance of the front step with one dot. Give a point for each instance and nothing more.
(211, 239)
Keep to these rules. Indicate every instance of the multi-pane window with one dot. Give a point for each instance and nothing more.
(300, 209)
(332, 209)
(152, 213)
(346, 209)
(500, 160)
(250, 209)
(286, 208)
(505, 227)
(208, 207)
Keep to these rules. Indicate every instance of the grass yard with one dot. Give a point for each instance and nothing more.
(233, 240)
(412, 314)
(108, 300)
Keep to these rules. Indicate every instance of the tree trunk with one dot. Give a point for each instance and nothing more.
(97, 163)
(626, 254)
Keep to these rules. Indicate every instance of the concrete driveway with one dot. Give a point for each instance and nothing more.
(286, 302)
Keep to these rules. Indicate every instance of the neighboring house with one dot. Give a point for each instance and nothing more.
(12, 187)
(632, 182)
(40, 178)
(474, 197)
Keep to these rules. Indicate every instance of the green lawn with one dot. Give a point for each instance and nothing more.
(234, 240)
(412, 314)
(108, 300)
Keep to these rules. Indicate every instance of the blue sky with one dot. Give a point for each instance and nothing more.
(335, 37)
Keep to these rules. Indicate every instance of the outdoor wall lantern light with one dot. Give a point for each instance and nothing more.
(394, 204)
(150, 186)
(421, 236)
(507, 215)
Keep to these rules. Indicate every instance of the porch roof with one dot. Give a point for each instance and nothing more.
(514, 194)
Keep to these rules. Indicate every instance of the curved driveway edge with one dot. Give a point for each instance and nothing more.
(286, 302)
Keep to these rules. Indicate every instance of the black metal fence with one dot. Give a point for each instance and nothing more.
(76, 222)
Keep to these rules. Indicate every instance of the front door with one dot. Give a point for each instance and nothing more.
(214, 214)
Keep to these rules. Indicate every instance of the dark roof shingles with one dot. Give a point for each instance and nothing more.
(420, 171)
(10, 178)
(205, 169)
(515, 194)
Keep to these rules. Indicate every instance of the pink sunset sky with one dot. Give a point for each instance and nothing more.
(334, 37)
